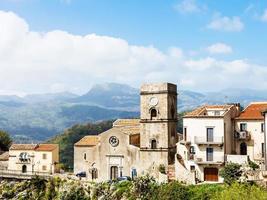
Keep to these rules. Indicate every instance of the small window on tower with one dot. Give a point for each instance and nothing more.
(153, 144)
(153, 113)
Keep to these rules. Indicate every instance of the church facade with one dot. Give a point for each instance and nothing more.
(134, 147)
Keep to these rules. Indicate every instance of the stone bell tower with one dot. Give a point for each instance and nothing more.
(158, 131)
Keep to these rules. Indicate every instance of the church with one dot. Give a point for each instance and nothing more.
(134, 147)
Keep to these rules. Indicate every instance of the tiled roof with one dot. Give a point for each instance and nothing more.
(200, 111)
(253, 111)
(46, 147)
(90, 140)
(126, 122)
(128, 126)
(23, 147)
(4, 156)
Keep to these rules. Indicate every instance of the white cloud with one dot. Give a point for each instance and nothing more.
(36, 62)
(219, 48)
(188, 6)
(227, 24)
(264, 16)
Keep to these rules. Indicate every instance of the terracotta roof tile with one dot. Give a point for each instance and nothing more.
(90, 140)
(200, 111)
(23, 147)
(46, 147)
(253, 111)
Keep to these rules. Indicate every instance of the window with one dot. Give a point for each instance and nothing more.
(153, 144)
(84, 156)
(262, 150)
(209, 154)
(243, 127)
(94, 173)
(192, 168)
(217, 113)
(192, 150)
(134, 173)
(209, 134)
(153, 113)
(44, 156)
(185, 132)
(44, 167)
(262, 127)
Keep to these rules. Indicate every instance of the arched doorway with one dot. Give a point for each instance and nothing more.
(114, 171)
(24, 168)
(243, 148)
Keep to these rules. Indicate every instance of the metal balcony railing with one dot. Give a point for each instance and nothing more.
(209, 160)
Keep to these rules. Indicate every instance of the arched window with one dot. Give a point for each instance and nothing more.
(84, 156)
(153, 113)
(243, 148)
(24, 168)
(153, 144)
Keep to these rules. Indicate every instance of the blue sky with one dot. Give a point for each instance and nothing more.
(207, 32)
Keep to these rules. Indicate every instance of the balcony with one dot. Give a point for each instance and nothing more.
(205, 141)
(242, 135)
(213, 160)
(240, 159)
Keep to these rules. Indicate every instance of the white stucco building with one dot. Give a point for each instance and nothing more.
(207, 138)
(33, 158)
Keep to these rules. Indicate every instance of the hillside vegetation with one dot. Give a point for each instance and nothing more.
(72, 135)
(142, 188)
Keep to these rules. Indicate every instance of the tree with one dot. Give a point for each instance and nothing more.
(5, 141)
(231, 172)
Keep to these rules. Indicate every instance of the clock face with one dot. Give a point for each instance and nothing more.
(114, 141)
(153, 101)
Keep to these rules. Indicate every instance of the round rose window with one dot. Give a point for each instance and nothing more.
(114, 141)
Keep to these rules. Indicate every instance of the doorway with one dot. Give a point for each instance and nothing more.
(24, 168)
(243, 148)
(114, 171)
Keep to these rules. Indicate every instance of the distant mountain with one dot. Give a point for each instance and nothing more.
(41, 116)
(36, 98)
(112, 95)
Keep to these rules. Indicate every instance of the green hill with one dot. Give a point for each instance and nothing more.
(72, 135)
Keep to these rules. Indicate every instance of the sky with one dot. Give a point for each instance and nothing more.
(69, 45)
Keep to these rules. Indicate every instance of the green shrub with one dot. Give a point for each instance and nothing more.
(162, 169)
(238, 191)
(170, 191)
(231, 172)
(203, 192)
(253, 165)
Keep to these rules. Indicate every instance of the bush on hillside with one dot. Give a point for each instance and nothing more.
(231, 172)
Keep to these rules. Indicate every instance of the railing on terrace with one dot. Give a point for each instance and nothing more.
(205, 140)
(19, 173)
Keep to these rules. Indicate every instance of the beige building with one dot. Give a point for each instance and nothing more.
(33, 158)
(207, 138)
(134, 147)
(249, 132)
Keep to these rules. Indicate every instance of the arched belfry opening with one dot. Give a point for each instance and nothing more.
(153, 113)
(153, 144)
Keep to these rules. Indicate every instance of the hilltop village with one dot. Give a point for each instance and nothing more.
(213, 135)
